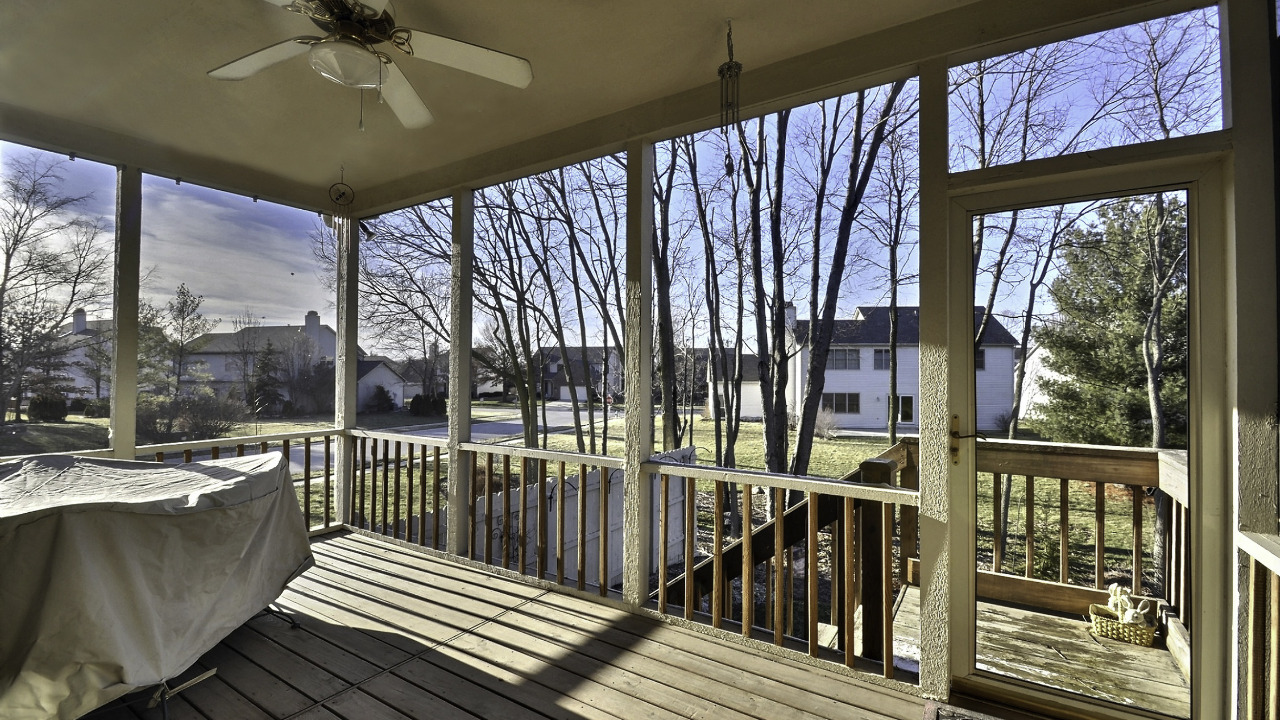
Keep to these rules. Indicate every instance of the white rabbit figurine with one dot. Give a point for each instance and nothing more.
(1136, 615)
(1119, 602)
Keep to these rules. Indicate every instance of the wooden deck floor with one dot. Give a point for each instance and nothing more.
(1060, 652)
(391, 633)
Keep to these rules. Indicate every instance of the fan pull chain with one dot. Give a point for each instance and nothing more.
(361, 109)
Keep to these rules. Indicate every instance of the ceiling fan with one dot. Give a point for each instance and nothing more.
(351, 53)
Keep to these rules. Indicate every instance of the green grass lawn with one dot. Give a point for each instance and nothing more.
(77, 433)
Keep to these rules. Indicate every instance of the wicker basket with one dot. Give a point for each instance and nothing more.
(1107, 624)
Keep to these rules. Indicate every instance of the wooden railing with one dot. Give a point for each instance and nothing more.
(556, 516)
(1260, 607)
(803, 562)
(311, 460)
(1065, 556)
(397, 486)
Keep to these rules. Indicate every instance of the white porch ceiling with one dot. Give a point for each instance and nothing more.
(125, 82)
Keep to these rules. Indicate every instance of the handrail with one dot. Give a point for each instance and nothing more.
(803, 483)
(428, 440)
(570, 458)
(246, 440)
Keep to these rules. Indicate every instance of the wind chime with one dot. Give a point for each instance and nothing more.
(729, 73)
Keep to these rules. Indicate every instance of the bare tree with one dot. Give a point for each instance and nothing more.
(52, 260)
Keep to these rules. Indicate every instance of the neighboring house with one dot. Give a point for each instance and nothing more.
(857, 373)
(752, 406)
(555, 377)
(373, 372)
(80, 339)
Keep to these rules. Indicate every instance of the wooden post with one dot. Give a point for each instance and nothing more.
(875, 525)
(124, 363)
(459, 484)
(637, 501)
(347, 232)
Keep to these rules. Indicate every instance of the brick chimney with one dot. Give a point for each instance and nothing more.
(79, 322)
(311, 326)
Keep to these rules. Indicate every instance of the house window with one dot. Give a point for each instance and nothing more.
(979, 359)
(906, 408)
(844, 403)
(843, 359)
(881, 359)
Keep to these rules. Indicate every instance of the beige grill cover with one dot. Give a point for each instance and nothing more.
(117, 575)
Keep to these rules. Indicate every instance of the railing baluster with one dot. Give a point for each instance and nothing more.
(582, 527)
(186, 455)
(422, 496)
(1030, 533)
(395, 514)
(560, 484)
(159, 456)
(717, 555)
(306, 473)
(1064, 541)
(604, 530)
(811, 573)
(435, 497)
(488, 508)
(522, 549)
(328, 484)
(998, 522)
(852, 589)
(240, 450)
(748, 564)
(1255, 658)
(1137, 540)
(1099, 535)
(386, 484)
(214, 452)
(542, 519)
(664, 489)
(365, 520)
(506, 511)
(408, 501)
(262, 448)
(472, 526)
(779, 549)
(1273, 646)
(886, 587)
(690, 534)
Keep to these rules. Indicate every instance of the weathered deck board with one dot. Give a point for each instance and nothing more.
(388, 632)
(1060, 652)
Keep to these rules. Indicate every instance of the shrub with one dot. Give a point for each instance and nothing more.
(825, 425)
(207, 416)
(47, 408)
(98, 408)
(418, 406)
(76, 405)
(381, 401)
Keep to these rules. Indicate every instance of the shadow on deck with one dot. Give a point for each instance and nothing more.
(388, 632)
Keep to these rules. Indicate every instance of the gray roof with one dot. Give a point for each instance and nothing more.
(870, 326)
(280, 337)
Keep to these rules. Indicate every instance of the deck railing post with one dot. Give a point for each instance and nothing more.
(637, 496)
(459, 482)
(347, 232)
(124, 364)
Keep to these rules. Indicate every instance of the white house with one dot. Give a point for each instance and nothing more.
(857, 379)
(85, 346)
(223, 354)
(555, 376)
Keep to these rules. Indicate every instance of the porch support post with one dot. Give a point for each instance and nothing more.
(946, 595)
(347, 232)
(1249, 500)
(637, 501)
(124, 362)
(461, 257)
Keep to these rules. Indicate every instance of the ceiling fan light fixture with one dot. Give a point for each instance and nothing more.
(346, 63)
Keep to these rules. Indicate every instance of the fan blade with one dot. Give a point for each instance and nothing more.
(263, 59)
(470, 58)
(403, 99)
